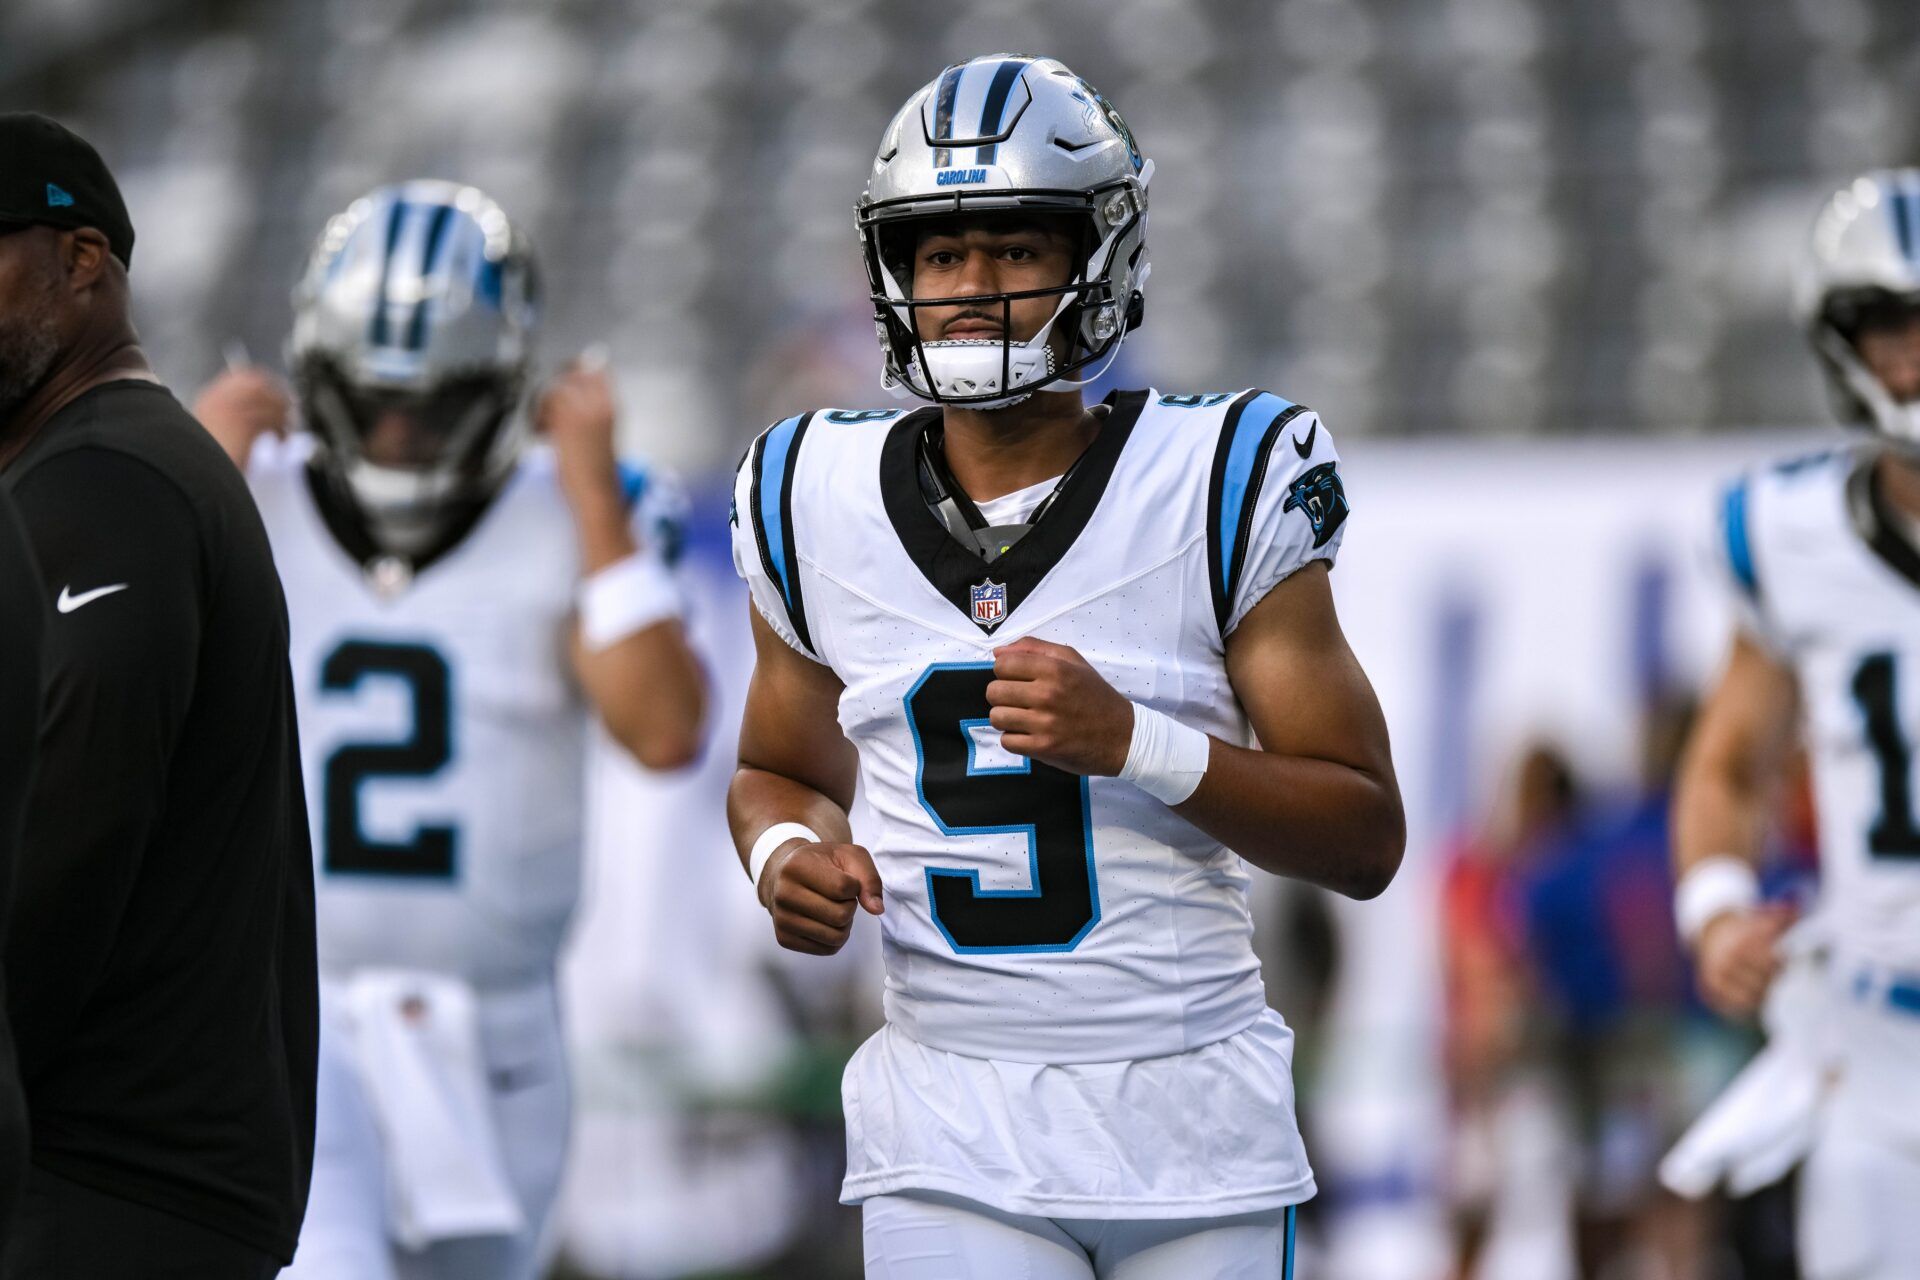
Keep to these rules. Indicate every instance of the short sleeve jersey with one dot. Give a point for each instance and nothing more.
(1036, 915)
(1821, 575)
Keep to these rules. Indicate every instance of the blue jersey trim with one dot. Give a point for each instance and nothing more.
(1241, 457)
(771, 504)
(633, 484)
(1739, 546)
(1239, 469)
(773, 482)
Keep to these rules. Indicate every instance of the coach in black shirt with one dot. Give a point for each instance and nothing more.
(23, 616)
(160, 963)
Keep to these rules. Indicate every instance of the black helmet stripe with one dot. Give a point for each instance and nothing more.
(1005, 76)
(377, 335)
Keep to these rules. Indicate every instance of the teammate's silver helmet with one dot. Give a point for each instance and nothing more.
(1865, 261)
(419, 299)
(997, 134)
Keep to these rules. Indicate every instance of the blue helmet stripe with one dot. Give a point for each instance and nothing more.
(435, 250)
(1739, 545)
(995, 108)
(1910, 242)
(377, 336)
(1897, 201)
(1243, 455)
(943, 113)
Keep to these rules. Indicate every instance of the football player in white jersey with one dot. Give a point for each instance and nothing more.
(1824, 559)
(462, 599)
(1044, 638)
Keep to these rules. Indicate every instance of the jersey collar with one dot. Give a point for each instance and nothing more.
(348, 526)
(957, 571)
(1876, 525)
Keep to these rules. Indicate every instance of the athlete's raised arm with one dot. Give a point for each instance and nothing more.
(634, 660)
(241, 405)
(1728, 777)
(1315, 800)
(797, 767)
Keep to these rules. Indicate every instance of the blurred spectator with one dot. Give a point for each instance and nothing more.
(1490, 997)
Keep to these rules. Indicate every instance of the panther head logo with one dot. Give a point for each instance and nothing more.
(1319, 494)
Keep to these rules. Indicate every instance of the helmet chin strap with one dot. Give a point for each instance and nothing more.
(1899, 423)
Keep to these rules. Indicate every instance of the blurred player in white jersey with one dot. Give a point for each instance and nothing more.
(1044, 638)
(1824, 557)
(461, 599)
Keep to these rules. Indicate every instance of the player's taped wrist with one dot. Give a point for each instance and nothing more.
(626, 597)
(1166, 759)
(1711, 888)
(771, 839)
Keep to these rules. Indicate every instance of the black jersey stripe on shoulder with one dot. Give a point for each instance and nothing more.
(1877, 524)
(1253, 422)
(771, 500)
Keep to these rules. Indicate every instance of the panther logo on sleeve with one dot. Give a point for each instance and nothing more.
(1319, 494)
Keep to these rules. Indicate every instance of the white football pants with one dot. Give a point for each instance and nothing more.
(346, 1237)
(925, 1235)
(1859, 1211)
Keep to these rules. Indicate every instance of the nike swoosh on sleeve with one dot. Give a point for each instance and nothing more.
(1305, 447)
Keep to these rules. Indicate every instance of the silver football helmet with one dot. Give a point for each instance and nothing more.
(990, 136)
(1865, 266)
(419, 301)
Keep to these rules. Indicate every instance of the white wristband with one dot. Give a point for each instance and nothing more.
(1712, 887)
(772, 838)
(1166, 759)
(627, 596)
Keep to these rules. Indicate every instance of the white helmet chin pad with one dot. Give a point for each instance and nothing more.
(405, 508)
(1898, 422)
(968, 367)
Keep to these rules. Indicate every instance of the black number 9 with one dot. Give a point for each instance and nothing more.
(1046, 804)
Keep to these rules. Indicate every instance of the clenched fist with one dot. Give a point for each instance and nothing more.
(1051, 705)
(1737, 958)
(576, 413)
(813, 890)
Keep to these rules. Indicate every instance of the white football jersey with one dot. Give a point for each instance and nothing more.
(442, 732)
(1824, 581)
(1034, 915)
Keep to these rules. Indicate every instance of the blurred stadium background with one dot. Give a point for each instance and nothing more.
(1514, 250)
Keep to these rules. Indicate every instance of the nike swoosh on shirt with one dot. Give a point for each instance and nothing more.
(68, 601)
(1305, 447)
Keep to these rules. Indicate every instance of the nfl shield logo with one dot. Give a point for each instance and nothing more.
(989, 603)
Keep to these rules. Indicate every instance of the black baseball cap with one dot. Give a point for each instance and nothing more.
(52, 177)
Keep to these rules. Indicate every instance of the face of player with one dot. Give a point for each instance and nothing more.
(968, 261)
(411, 430)
(30, 329)
(397, 438)
(1890, 348)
